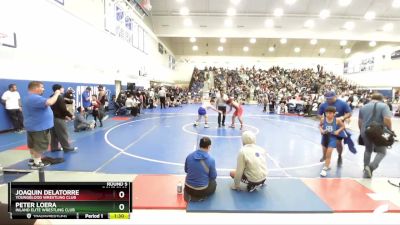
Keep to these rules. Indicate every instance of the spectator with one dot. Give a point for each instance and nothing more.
(86, 100)
(97, 114)
(102, 97)
(265, 101)
(200, 173)
(131, 104)
(80, 123)
(382, 116)
(59, 133)
(251, 167)
(242, 83)
(39, 120)
(12, 101)
(162, 96)
(69, 100)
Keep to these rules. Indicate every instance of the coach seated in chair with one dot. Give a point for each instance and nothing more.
(200, 173)
(251, 166)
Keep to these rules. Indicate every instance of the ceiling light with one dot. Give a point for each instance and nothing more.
(309, 24)
(192, 39)
(245, 48)
(388, 27)
(343, 43)
(372, 43)
(347, 50)
(313, 41)
(184, 11)
(220, 48)
(222, 40)
(396, 4)
(187, 22)
(290, 2)
(253, 40)
(195, 48)
(370, 15)
(297, 49)
(228, 23)
(344, 3)
(349, 25)
(235, 2)
(324, 14)
(271, 49)
(231, 12)
(269, 23)
(322, 50)
(278, 12)
(283, 40)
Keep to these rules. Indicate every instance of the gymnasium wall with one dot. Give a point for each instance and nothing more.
(54, 42)
(185, 64)
(57, 43)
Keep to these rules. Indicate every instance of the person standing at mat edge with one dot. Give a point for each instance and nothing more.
(221, 106)
(200, 173)
(86, 99)
(343, 112)
(251, 167)
(162, 94)
(12, 101)
(38, 120)
(382, 116)
(59, 133)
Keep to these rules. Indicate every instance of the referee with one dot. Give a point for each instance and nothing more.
(221, 107)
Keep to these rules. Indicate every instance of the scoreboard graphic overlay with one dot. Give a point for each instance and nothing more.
(66, 200)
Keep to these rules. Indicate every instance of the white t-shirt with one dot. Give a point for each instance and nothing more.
(131, 102)
(162, 93)
(11, 99)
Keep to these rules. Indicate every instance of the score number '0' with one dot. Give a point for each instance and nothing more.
(121, 195)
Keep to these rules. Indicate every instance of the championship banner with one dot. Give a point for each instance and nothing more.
(119, 21)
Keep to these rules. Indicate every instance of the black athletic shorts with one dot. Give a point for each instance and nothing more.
(222, 108)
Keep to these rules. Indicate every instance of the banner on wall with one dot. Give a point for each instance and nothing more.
(8, 39)
(119, 21)
(395, 55)
(357, 65)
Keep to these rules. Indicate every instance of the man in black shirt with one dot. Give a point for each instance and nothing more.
(69, 100)
(59, 133)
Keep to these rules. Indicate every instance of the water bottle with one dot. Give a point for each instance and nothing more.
(179, 188)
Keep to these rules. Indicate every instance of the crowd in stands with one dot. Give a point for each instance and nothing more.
(278, 89)
(132, 101)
